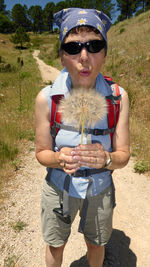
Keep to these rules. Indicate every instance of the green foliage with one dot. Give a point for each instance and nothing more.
(5, 24)
(25, 74)
(19, 16)
(127, 8)
(11, 261)
(2, 6)
(28, 135)
(18, 226)
(48, 16)
(141, 167)
(105, 5)
(36, 15)
(20, 37)
(122, 30)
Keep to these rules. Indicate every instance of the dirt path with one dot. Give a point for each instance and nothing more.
(130, 242)
(48, 73)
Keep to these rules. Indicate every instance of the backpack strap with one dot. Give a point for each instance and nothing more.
(55, 116)
(113, 103)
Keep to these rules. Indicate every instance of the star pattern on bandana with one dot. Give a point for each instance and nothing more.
(65, 30)
(99, 27)
(98, 11)
(82, 12)
(81, 21)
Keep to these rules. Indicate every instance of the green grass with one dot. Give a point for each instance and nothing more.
(11, 261)
(18, 226)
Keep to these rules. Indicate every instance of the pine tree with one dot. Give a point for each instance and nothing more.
(48, 16)
(19, 16)
(20, 37)
(36, 16)
(127, 8)
(2, 7)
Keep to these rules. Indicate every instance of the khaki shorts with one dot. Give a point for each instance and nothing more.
(98, 225)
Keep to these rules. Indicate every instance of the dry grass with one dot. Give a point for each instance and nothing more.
(18, 88)
(128, 62)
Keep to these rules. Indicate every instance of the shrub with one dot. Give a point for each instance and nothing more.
(122, 30)
(141, 167)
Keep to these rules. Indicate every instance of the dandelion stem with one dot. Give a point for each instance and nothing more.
(82, 131)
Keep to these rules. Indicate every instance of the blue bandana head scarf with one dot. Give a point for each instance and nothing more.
(67, 19)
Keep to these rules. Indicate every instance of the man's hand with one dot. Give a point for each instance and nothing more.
(67, 161)
(91, 155)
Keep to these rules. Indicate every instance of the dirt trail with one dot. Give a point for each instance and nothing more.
(130, 242)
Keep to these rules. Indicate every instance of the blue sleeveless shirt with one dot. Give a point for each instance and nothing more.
(65, 138)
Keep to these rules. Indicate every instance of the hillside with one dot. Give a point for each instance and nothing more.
(129, 65)
(128, 62)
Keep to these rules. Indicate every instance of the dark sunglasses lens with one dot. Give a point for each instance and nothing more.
(72, 48)
(95, 46)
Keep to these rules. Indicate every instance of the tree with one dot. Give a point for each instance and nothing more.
(36, 16)
(19, 16)
(2, 7)
(80, 3)
(143, 5)
(48, 13)
(5, 24)
(20, 37)
(60, 5)
(127, 8)
(106, 6)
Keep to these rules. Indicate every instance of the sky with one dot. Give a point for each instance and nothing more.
(10, 3)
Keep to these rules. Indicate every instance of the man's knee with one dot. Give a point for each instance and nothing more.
(93, 247)
(54, 254)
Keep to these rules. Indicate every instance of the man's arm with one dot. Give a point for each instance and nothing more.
(121, 137)
(44, 141)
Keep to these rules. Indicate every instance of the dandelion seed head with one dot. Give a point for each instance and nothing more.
(82, 105)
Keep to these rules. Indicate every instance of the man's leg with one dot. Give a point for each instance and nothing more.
(54, 256)
(95, 255)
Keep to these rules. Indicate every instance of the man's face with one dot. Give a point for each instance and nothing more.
(85, 66)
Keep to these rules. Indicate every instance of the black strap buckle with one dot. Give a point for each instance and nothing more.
(82, 173)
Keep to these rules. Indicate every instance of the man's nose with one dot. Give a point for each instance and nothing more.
(84, 54)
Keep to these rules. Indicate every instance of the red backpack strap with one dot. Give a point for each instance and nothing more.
(107, 78)
(55, 115)
(113, 107)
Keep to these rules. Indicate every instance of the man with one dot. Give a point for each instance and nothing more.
(87, 167)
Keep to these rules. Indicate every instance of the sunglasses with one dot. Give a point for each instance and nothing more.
(73, 48)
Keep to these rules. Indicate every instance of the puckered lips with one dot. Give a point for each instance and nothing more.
(85, 73)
